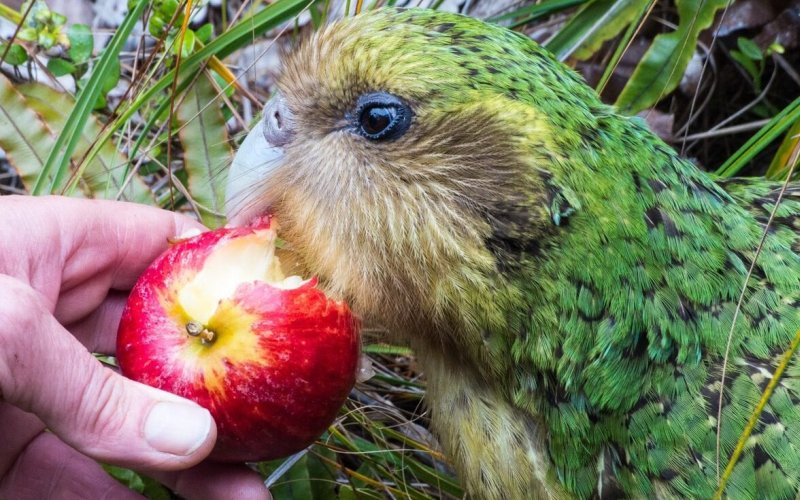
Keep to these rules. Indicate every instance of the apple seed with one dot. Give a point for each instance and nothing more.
(195, 329)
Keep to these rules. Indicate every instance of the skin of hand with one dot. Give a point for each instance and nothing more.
(66, 267)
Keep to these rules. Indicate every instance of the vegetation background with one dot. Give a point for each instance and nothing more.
(146, 101)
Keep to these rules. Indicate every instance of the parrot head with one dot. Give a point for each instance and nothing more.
(405, 155)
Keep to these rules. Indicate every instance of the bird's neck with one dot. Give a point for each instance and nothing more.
(497, 449)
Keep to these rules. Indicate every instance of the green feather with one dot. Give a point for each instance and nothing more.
(592, 347)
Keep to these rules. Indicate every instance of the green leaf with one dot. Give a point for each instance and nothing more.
(348, 493)
(189, 43)
(662, 66)
(311, 477)
(623, 12)
(296, 482)
(746, 63)
(384, 461)
(107, 82)
(57, 19)
(205, 32)
(106, 175)
(207, 153)
(316, 16)
(420, 471)
(775, 48)
(60, 67)
(595, 23)
(111, 77)
(81, 43)
(742, 59)
(622, 45)
(27, 34)
(167, 8)
(16, 54)
(23, 135)
(749, 48)
(56, 166)
(156, 27)
(126, 477)
(151, 489)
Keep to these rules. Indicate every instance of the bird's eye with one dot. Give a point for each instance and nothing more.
(376, 120)
(382, 116)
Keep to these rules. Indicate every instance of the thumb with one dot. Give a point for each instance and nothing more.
(46, 371)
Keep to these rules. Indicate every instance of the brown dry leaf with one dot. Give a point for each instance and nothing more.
(784, 29)
(659, 122)
(747, 14)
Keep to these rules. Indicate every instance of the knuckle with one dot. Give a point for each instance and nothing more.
(20, 305)
(21, 312)
(102, 409)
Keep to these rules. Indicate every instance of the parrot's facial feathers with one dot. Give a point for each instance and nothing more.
(398, 166)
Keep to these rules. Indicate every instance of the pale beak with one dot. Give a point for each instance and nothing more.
(261, 153)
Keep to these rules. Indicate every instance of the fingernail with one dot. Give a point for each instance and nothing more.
(177, 428)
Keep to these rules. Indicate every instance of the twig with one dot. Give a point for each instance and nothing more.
(748, 429)
(734, 129)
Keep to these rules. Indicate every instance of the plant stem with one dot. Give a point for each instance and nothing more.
(10, 14)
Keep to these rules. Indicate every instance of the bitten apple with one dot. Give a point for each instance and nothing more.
(214, 320)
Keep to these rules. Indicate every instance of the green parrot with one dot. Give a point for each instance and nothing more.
(567, 281)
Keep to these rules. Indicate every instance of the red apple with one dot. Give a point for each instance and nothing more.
(214, 320)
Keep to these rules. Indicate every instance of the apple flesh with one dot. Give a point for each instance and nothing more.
(214, 320)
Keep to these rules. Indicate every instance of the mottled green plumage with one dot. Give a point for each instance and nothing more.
(566, 278)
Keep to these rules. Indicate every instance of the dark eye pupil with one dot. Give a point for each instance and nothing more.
(376, 120)
(380, 116)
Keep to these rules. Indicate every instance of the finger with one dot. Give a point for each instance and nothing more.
(48, 468)
(98, 330)
(109, 246)
(45, 370)
(212, 481)
(125, 237)
(18, 429)
(103, 243)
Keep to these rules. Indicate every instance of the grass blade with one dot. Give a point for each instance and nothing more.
(238, 36)
(779, 167)
(595, 23)
(56, 165)
(528, 13)
(761, 139)
(664, 63)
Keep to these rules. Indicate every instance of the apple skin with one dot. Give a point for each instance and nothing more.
(280, 368)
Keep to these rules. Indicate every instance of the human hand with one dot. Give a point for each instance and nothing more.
(66, 267)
